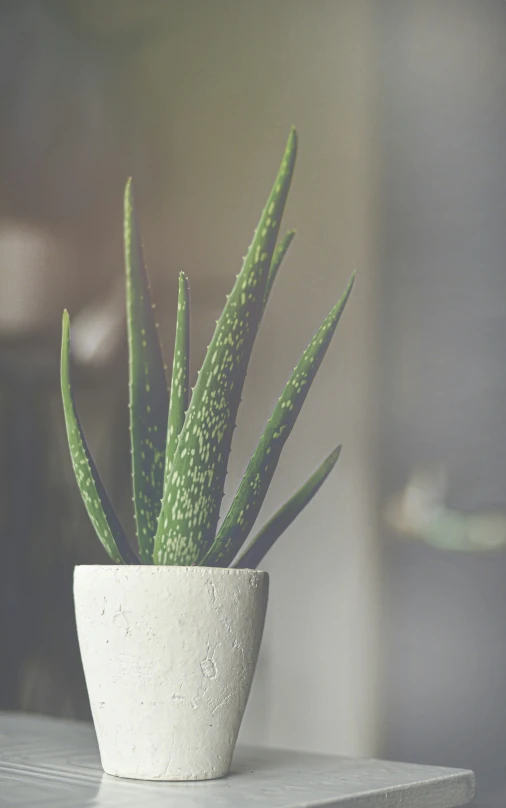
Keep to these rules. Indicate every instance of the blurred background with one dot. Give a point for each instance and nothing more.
(386, 632)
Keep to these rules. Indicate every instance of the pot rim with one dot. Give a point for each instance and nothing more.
(170, 567)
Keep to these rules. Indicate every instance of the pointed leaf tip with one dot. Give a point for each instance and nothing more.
(283, 518)
(148, 397)
(179, 387)
(255, 483)
(190, 511)
(277, 259)
(93, 493)
(333, 457)
(128, 195)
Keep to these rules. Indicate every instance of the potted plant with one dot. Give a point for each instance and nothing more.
(169, 632)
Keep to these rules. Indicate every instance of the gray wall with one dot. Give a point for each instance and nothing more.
(443, 394)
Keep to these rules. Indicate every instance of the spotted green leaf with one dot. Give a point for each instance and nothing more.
(180, 383)
(272, 530)
(255, 483)
(194, 490)
(147, 388)
(96, 501)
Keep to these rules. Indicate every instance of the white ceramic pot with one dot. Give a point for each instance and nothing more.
(169, 655)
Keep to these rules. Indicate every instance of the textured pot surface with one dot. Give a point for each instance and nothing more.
(169, 655)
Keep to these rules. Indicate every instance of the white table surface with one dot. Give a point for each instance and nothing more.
(48, 763)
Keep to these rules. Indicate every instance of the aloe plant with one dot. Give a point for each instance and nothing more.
(181, 443)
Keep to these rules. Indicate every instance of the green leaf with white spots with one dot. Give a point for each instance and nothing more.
(194, 490)
(180, 383)
(96, 501)
(277, 259)
(255, 483)
(149, 399)
(273, 529)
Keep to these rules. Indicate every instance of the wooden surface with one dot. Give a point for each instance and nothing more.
(47, 763)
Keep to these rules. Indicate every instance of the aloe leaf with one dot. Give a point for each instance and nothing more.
(277, 259)
(93, 493)
(255, 483)
(180, 373)
(147, 388)
(272, 530)
(194, 490)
